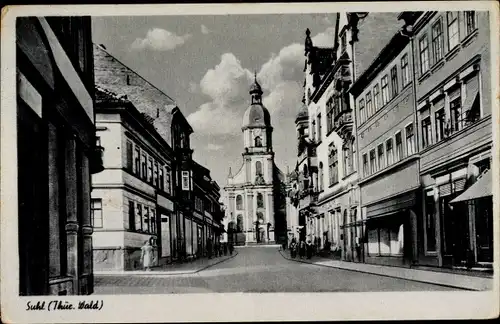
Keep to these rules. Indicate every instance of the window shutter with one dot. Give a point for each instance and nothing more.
(459, 185)
(445, 189)
(454, 94)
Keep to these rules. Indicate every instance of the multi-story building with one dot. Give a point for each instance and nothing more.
(453, 93)
(132, 198)
(56, 154)
(388, 158)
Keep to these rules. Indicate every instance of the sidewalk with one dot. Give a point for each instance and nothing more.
(188, 267)
(460, 281)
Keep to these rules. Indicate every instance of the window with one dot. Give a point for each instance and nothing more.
(129, 153)
(185, 180)
(153, 220)
(453, 35)
(369, 107)
(305, 174)
(329, 114)
(332, 165)
(144, 172)
(381, 156)
(320, 176)
(440, 124)
(385, 90)
(131, 215)
(138, 217)
(150, 170)
(96, 212)
(258, 168)
(470, 21)
(156, 172)
(258, 141)
(455, 112)
(471, 106)
(161, 178)
(319, 127)
(376, 97)
(430, 221)
(313, 129)
(437, 40)
(168, 176)
(145, 220)
(390, 151)
(365, 165)
(348, 152)
(426, 132)
(399, 146)
(410, 140)
(394, 81)
(239, 202)
(405, 70)
(137, 161)
(260, 200)
(362, 115)
(373, 162)
(424, 54)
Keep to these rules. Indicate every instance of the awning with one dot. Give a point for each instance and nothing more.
(479, 189)
(376, 217)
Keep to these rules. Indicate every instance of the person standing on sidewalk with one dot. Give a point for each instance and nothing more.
(209, 247)
(309, 249)
(147, 255)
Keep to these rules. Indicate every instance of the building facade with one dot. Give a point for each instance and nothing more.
(453, 93)
(132, 198)
(175, 206)
(56, 154)
(256, 194)
(388, 157)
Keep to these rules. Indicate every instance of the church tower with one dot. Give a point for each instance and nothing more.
(253, 190)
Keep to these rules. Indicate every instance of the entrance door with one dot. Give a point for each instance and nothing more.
(165, 236)
(484, 229)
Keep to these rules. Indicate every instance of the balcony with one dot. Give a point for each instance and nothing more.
(343, 122)
(96, 161)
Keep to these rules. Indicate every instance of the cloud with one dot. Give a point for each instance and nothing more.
(160, 40)
(325, 39)
(193, 87)
(205, 30)
(288, 65)
(214, 147)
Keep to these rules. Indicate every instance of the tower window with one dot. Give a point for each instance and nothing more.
(258, 141)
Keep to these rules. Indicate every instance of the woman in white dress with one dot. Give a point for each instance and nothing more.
(147, 255)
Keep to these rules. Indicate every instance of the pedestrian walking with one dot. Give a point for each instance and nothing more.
(293, 248)
(147, 255)
(231, 248)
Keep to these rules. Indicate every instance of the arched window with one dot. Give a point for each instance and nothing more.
(239, 202)
(258, 141)
(260, 200)
(239, 223)
(320, 176)
(258, 168)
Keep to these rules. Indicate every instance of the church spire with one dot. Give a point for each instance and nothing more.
(230, 175)
(256, 91)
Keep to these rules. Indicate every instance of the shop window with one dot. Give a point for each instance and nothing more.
(453, 33)
(437, 40)
(373, 242)
(430, 221)
(424, 54)
(426, 132)
(96, 212)
(385, 90)
(394, 81)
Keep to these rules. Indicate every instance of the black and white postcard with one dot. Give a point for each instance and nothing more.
(249, 162)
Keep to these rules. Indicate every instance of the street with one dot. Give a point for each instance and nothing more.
(258, 269)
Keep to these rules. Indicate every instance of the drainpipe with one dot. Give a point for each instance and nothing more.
(408, 32)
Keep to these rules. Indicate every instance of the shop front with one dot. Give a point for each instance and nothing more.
(166, 232)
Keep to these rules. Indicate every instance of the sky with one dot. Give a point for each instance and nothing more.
(206, 64)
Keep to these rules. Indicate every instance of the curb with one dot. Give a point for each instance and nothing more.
(164, 273)
(382, 275)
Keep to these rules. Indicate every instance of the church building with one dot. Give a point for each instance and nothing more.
(256, 193)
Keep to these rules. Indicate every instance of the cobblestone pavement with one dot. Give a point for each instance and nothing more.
(258, 269)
